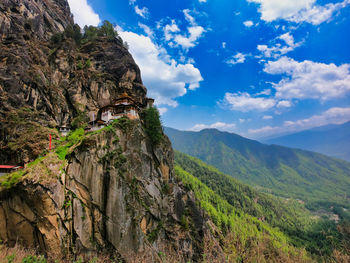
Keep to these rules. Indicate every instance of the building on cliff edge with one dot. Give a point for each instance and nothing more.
(123, 106)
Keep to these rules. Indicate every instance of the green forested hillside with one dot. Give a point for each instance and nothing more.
(316, 179)
(236, 207)
(244, 238)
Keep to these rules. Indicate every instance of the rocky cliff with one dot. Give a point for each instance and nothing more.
(46, 83)
(115, 193)
(112, 191)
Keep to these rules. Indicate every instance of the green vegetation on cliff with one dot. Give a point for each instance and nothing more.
(152, 124)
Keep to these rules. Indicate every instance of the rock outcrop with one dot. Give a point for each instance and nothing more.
(57, 81)
(114, 192)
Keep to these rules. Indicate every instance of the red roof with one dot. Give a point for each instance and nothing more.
(7, 166)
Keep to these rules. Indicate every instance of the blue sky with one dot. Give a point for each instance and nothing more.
(254, 67)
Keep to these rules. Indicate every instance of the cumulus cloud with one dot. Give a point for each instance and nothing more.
(246, 102)
(83, 13)
(297, 10)
(164, 77)
(334, 115)
(248, 23)
(308, 79)
(218, 125)
(236, 59)
(280, 49)
(173, 35)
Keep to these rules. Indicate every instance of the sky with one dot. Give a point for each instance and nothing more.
(259, 68)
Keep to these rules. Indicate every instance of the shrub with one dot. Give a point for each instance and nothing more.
(34, 259)
(73, 32)
(56, 39)
(80, 65)
(81, 120)
(88, 63)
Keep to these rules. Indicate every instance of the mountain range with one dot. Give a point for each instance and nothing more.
(316, 179)
(332, 140)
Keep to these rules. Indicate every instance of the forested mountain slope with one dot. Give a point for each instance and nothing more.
(319, 180)
(231, 204)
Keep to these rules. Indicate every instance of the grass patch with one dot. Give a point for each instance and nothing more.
(71, 139)
(12, 179)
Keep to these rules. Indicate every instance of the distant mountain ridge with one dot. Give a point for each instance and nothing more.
(319, 180)
(332, 140)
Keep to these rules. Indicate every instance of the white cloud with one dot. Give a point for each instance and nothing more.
(187, 40)
(143, 12)
(297, 10)
(248, 23)
(162, 110)
(218, 125)
(236, 59)
(224, 44)
(309, 80)
(83, 13)
(169, 29)
(188, 17)
(334, 115)
(275, 9)
(266, 92)
(284, 104)
(318, 14)
(165, 78)
(278, 49)
(267, 117)
(245, 102)
(288, 38)
(202, 1)
(149, 32)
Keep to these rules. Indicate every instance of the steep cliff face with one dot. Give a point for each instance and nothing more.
(55, 82)
(110, 191)
(115, 193)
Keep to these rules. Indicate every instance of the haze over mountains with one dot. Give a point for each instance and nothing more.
(332, 140)
(312, 177)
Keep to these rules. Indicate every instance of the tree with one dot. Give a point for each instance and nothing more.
(107, 30)
(153, 125)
